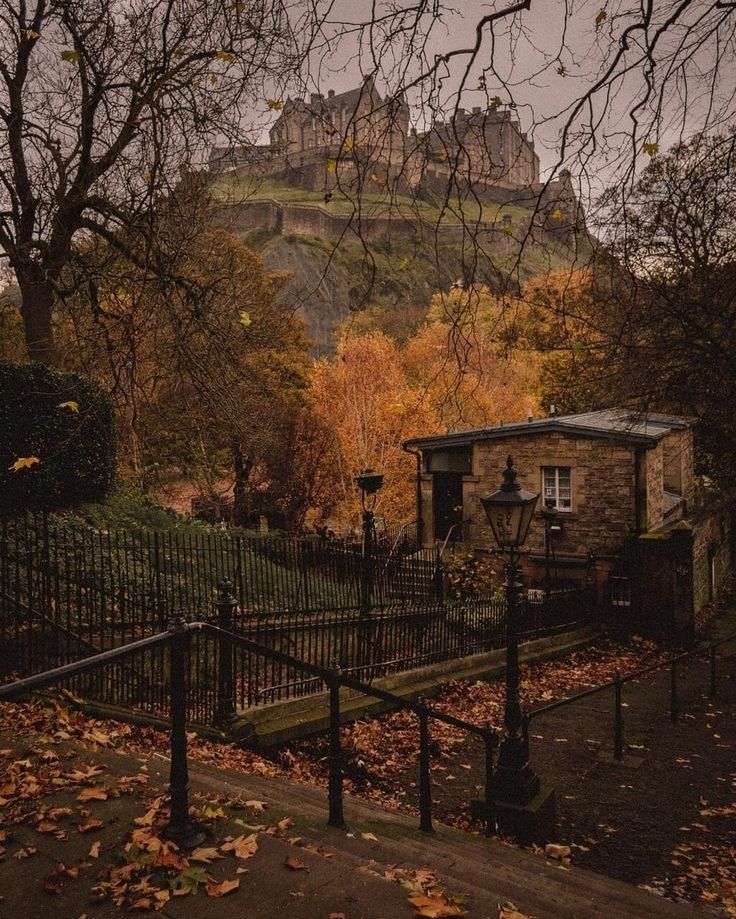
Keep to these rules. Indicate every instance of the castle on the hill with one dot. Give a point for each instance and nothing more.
(357, 137)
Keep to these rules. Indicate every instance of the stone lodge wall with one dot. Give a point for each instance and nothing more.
(602, 477)
(679, 474)
(654, 487)
(712, 555)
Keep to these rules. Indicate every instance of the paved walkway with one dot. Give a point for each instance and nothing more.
(300, 869)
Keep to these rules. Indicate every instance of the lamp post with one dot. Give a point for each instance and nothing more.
(549, 514)
(369, 483)
(510, 511)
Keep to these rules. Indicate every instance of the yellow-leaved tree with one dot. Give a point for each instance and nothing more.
(363, 398)
(467, 364)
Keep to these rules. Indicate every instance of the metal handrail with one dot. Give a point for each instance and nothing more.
(404, 526)
(349, 682)
(335, 679)
(626, 678)
(454, 526)
(618, 684)
(181, 829)
(48, 677)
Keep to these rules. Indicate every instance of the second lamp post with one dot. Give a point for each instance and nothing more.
(510, 510)
(369, 483)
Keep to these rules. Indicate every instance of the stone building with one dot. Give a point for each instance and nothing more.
(366, 136)
(626, 518)
(355, 120)
(487, 148)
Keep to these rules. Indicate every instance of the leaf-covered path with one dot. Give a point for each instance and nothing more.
(662, 819)
(82, 837)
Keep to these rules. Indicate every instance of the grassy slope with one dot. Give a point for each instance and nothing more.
(234, 190)
(268, 582)
(389, 285)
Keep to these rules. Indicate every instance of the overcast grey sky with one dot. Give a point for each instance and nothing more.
(545, 59)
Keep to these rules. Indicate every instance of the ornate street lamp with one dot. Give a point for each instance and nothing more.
(510, 511)
(369, 483)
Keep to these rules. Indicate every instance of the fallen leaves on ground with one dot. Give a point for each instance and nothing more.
(371, 773)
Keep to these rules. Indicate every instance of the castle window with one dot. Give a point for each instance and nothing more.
(556, 483)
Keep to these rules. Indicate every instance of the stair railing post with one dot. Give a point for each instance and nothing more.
(489, 738)
(425, 778)
(226, 605)
(673, 690)
(618, 724)
(181, 828)
(713, 675)
(336, 817)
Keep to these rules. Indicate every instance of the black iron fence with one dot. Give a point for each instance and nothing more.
(68, 591)
(98, 589)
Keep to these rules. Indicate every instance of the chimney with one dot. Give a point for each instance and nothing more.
(530, 417)
(314, 98)
(552, 411)
(330, 93)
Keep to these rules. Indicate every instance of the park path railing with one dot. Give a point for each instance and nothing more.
(708, 650)
(177, 639)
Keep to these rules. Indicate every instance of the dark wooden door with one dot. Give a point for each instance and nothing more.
(447, 495)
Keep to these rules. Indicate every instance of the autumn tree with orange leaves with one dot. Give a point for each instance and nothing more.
(363, 398)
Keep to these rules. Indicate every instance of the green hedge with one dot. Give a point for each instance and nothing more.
(73, 443)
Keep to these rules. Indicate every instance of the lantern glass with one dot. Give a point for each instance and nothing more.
(510, 510)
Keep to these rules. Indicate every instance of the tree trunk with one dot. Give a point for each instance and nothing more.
(37, 302)
(242, 466)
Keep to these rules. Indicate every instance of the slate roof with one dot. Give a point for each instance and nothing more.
(618, 424)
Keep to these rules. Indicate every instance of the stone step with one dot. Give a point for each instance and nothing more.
(484, 872)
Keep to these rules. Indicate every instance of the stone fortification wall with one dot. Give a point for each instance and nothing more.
(314, 220)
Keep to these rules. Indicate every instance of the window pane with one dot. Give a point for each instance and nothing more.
(556, 482)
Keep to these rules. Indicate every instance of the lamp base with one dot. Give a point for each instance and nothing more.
(187, 836)
(532, 822)
(516, 782)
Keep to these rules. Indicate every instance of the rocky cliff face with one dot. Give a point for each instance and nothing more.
(389, 284)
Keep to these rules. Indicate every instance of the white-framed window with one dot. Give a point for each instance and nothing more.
(620, 591)
(556, 487)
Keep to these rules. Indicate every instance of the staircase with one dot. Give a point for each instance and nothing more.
(351, 871)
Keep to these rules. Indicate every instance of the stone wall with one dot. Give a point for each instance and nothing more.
(314, 220)
(602, 478)
(679, 474)
(249, 215)
(712, 555)
(654, 462)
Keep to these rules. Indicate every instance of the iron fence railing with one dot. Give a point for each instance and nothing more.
(180, 642)
(708, 650)
(367, 642)
(67, 591)
(95, 589)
